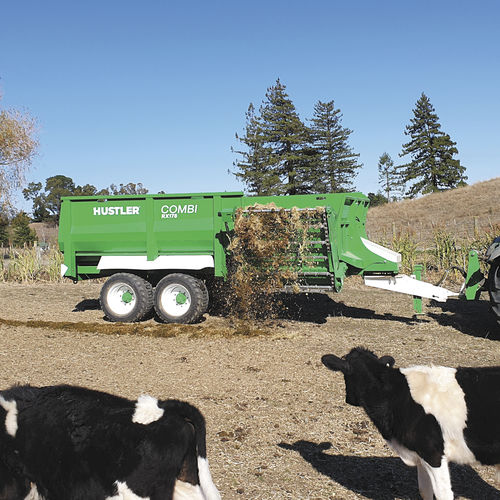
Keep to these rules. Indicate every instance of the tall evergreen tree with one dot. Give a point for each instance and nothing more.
(336, 163)
(278, 156)
(389, 178)
(287, 137)
(254, 166)
(22, 234)
(432, 166)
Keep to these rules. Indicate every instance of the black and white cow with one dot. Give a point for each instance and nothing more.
(429, 415)
(68, 443)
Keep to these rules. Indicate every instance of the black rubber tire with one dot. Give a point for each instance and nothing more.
(494, 288)
(142, 297)
(206, 296)
(198, 298)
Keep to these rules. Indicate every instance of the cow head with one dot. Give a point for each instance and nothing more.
(362, 371)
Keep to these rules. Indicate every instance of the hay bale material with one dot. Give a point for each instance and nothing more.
(267, 251)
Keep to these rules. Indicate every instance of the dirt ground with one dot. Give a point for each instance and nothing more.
(278, 426)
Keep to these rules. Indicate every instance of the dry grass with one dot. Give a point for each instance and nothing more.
(461, 212)
(30, 264)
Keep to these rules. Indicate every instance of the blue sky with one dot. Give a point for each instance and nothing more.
(154, 91)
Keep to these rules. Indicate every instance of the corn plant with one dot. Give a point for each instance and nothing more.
(445, 249)
(53, 265)
(405, 244)
(25, 265)
(30, 265)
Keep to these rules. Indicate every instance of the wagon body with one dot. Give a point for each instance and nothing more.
(163, 250)
(190, 232)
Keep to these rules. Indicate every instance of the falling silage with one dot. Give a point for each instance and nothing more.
(268, 250)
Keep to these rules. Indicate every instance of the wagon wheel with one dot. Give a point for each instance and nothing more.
(180, 298)
(126, 297)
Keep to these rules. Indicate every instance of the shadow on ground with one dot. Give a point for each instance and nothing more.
(473, 318)
(87, 305)
(317, 307)
(385, 478)
(313, 308)
(309, 308)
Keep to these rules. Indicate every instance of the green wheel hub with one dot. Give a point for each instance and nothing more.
(180, 298)
(127, 297)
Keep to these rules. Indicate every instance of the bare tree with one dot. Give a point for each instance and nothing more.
(18, 146)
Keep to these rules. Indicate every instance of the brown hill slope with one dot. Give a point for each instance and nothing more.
(460, 211)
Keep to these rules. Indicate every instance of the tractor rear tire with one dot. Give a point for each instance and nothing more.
(494, 288)
(180, 298)
(126, 298)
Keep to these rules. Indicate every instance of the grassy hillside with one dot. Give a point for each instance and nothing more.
(461, 212)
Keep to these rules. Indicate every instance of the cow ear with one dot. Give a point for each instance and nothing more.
(334, 363)
(387, 360)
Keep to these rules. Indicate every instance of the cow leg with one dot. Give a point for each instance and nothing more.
(207, 485)
(424, 482)
(187, 491)
(440, 479)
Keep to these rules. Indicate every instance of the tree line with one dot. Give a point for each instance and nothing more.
(16, 231)
(47, 200)
(281, 154)
(278, 154)
(46, 205)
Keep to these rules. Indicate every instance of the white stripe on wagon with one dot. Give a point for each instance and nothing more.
(141, 263)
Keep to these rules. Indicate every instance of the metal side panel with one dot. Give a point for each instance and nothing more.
(140, 262)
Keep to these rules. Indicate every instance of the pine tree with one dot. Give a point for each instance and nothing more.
(254, 166)
(278, 156)
(432, 166)
(287, 137)
(377, 199)
(22, 234)
(336, 164)
(389, 178)
(4, 235)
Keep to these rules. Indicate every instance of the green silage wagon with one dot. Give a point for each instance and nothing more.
(162, 250)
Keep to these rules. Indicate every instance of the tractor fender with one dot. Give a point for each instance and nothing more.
(493, 251)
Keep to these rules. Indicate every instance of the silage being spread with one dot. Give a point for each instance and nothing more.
(269, 247)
